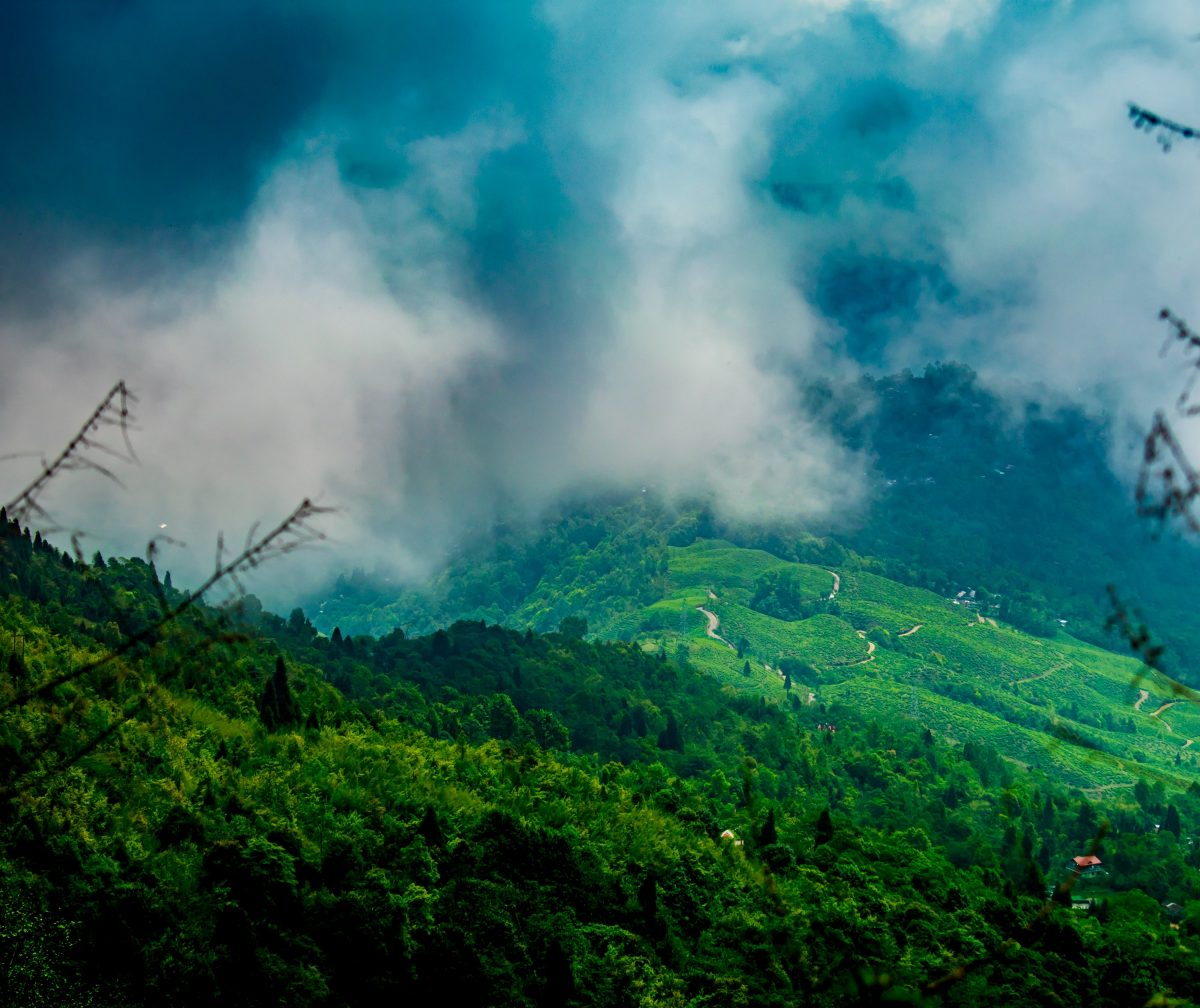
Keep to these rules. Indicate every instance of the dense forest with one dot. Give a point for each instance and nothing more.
(236, 807)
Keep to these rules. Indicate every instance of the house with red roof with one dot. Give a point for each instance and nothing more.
(1086, 864)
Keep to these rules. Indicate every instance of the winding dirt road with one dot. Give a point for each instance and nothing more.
(909, 633)
(870, 651)
(1143, 696)
(837, 585)
(711, 629)
(1169, 703)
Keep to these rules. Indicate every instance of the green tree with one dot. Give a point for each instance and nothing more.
(769, 834)
(671, 737)
(575, 627)
(276, 706)
(1170, 823)
(824, 829)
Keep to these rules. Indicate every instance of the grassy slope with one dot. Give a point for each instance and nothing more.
(1056, 703)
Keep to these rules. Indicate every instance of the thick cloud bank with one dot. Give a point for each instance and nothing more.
(428, 261)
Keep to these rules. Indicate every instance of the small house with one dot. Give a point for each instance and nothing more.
(1086, 864)
(730, 835)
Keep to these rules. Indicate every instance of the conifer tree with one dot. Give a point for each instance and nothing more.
(768, 835)
(1170, 823)
(277, 707)
(824, 830)
(671, 737)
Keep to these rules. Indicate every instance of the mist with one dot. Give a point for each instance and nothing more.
(431, 267)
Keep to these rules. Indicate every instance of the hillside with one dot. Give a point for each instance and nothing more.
(1093, 718)
(965, 491)
(239, 809)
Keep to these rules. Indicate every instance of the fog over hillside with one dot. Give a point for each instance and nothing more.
(424, 262)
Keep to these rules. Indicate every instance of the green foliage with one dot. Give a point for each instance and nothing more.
(525, 819)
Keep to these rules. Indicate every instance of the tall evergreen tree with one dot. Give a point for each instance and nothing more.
(276, 706)
(768, 835)
(1170, 823)
(824, 830)
(671, 737)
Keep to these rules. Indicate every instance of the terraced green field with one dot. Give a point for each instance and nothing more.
(1064, 706)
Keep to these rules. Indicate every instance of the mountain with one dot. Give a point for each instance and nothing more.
(226, 805)
(966, 491)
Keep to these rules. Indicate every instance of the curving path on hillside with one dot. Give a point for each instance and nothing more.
(837, 586)
(870, 651)
(1099, 789)
(1042, 675)
(1143, 696)
(909, 633)
(1169, 703)
(713, 624)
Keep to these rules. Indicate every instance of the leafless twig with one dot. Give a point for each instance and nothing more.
(79, 453)
(291, 534)
(1166, 466)
(1166, 130)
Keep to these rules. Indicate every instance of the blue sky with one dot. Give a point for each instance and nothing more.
(428, 261)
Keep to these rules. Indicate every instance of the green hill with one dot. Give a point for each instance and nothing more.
(951, 664)
(964, 491)
(230, 807)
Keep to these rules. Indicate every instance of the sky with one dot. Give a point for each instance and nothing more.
(431, 263)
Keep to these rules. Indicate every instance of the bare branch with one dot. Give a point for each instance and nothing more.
(1167, 484)
(1137, 636)
(113, 411)
(291, 534)
(1181, 333)
(1166, 130)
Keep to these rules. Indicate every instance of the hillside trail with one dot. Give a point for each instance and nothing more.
(837, 586)
(1187, 743)
(1042, 675)
(711, 629)
(1169, 703)
(909, 633)
(1099, 789)
(870, 650)
(1143, 696)
(712, 594)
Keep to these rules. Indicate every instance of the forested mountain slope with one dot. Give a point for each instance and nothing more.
(241, 810)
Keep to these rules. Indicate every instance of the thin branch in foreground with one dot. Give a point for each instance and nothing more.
(113, 411)
(1182, 333)
(1135, 635)
(1166, 130)
(291, 534)
(1165, 464)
